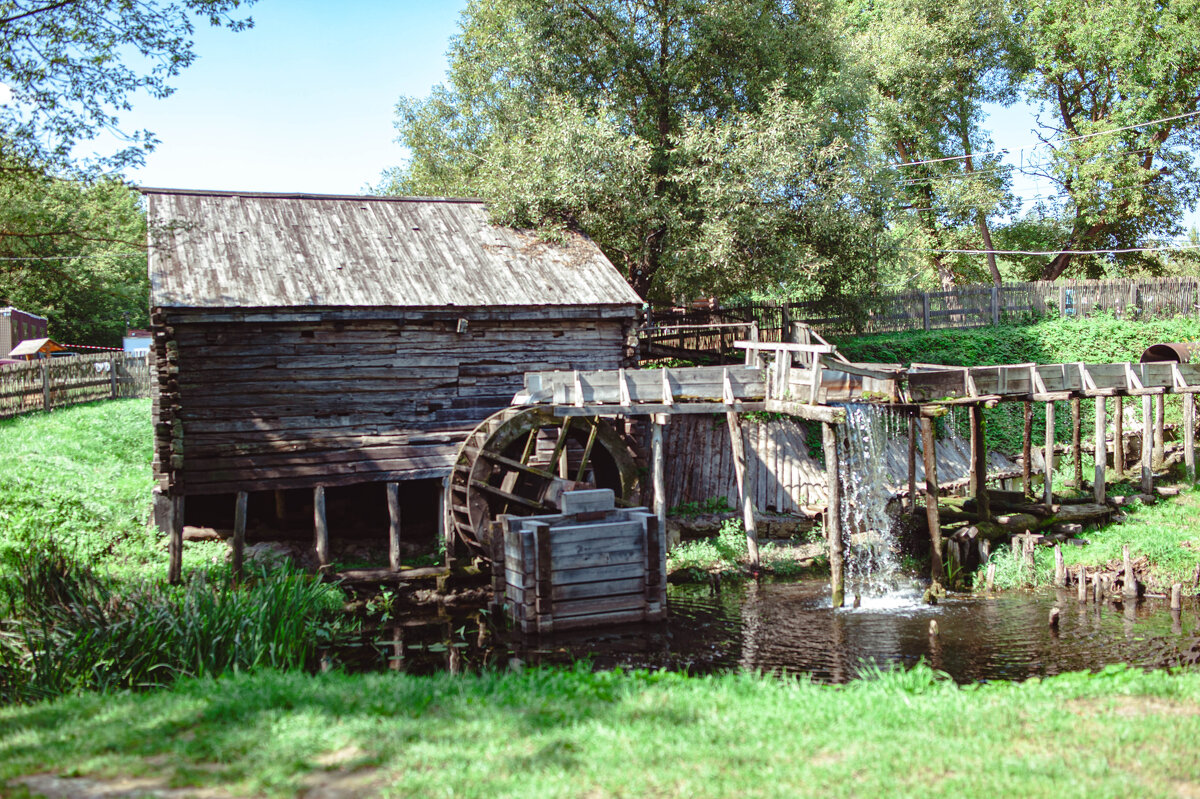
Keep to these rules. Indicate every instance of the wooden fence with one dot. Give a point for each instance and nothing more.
(59, 382)
(669, 332)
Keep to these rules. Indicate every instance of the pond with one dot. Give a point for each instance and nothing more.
(791, 628)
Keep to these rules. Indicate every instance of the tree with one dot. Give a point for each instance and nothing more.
(84, 267)
(934, 65)
(73, 65)
(1102, 71)
(699, 143)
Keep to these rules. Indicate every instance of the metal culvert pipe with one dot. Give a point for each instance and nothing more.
(1179, 352)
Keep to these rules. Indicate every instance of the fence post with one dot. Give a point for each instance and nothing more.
(46, 384)
(785, 319)
(112, 375)
(925, 309)
(995, 305)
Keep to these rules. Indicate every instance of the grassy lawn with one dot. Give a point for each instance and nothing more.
(80, 476)
(570, 734)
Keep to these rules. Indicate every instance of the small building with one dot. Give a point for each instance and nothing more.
(137, 341)
(36, 348)
(17, 326)
(305, 342)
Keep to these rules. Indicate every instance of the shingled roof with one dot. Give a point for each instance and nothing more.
(230, 250)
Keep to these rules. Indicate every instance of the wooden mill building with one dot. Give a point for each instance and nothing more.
(309, 342)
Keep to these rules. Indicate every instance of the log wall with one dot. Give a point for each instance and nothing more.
(291, 398)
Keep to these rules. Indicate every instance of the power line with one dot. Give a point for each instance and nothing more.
(1036, 145)
(1056, 252)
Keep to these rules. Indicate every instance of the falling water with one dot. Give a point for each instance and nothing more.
(871, 559)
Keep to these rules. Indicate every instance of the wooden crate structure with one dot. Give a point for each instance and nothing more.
(592, 565)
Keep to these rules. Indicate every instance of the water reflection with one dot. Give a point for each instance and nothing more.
(791, 628)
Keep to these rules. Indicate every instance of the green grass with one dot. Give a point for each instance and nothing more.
(1167, 534)
(611, 734)
(727, 554)
(80, 477)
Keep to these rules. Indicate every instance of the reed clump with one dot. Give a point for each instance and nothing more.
(68, 629)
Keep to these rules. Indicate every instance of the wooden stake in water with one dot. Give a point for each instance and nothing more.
(937, 573)
(1130, 587)
(1081, 586)
(1054, 614)
(745, 494)
(1177, 596)
(833, 522)
(1060, 569)
(991, 576)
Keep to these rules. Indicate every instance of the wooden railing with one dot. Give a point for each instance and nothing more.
(965, 307)
(58, 382)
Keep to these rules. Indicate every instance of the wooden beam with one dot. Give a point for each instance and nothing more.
(1077, 442)
(1027, 450)
(648, 409)
(833, 518)
(1147, 444)
(238, 542)
(1048, 455)
(1100, 451)
(912, 462)
(979, 463)
(745, 496)
(658, 470)
(929, 445)
(1160, 403)
(1119, 439)
(393, 505)
(320, 527)
(813, 413)
(1189, 436)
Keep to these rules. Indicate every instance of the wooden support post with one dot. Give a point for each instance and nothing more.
(833, 517)
(239, 536)
(1147, 444)
(1177, 596)
(320, 526)
(745, 495)
(1076, 442)
(1027, 451)
(1189, 435)
(280, 505)
(393, 505)
(1081, 584)
(658, 469)
(979, 463)
(1160, 405)
(1129, 589)
(1119, 439)
(1048, 487)
(1100, 450)
(912, 463)
(929, 446)
(168, 512)
(1060, 569)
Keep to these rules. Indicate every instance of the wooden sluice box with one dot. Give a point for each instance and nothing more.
(593, 564)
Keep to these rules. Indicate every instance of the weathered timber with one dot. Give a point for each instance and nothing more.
(746, 504)
(1100, 450)
(1119, 439)
(1189, 436)
(1076, 444)
(931, 500)
(320, 526)
(1129, 583)
(239, 535)
(1147, 445)
(912, 462)
(1047, 486)
(979, 487)
(833, 513)
(1027, 450)
(1160, 403)
(394, 518)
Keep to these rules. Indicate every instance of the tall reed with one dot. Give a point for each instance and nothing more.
(70, 630)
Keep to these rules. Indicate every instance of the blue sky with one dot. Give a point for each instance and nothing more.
(304, 101)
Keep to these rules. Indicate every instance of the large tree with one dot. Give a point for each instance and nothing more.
(935, 65)
(706, 145)
(1114, 66)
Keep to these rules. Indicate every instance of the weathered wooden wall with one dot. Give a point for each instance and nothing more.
(291, 398)
(785, 470)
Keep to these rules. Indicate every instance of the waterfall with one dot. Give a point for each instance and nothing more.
(871, 560)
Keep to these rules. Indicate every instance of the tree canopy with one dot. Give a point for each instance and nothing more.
(762, 145)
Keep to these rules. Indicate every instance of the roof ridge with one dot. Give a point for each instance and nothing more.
(270, 195)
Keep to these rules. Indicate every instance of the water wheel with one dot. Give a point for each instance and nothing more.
(519, 461)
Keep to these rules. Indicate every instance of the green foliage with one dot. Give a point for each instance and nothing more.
(70, 629)
(73, 253)
(692, 509)
(705, 146)
(72, 67)
(722, 554)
